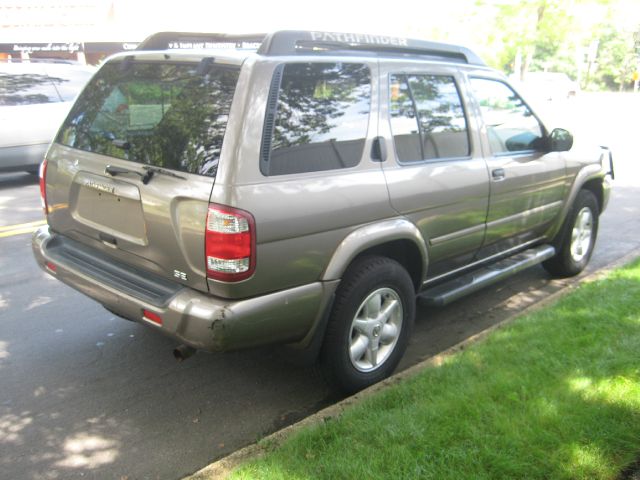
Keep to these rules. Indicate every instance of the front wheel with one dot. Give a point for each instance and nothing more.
(370, 324)
(577, 237)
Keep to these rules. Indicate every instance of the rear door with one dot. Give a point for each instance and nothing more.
(436, 175)
(134, 163)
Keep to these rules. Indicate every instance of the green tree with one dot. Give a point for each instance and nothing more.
(528, 33)
(617, 56)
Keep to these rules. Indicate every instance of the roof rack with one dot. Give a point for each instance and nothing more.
(291, 42)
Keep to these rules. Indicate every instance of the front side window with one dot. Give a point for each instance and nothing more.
(427, 118)
(321, 118)
(511, 126)
(167, 115)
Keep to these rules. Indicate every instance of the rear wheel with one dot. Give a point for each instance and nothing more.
(577, 237)
(370, 324)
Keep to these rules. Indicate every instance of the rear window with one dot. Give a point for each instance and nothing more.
(28, 88)
(321, 118)
(68, 83)
(32, 84)
(167, 115)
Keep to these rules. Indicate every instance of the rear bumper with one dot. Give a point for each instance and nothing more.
(195, 318)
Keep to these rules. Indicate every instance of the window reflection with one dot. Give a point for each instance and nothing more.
(322, 117)
(26, 89)
(511, 126)
(71, 83)
(37, 83)
(427, 118)
(167, 115)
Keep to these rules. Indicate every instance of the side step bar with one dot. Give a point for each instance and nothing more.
(447, 292)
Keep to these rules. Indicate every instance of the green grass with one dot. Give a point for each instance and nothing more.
(554, 395)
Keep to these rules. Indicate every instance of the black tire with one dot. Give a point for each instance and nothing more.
(369, 278)
(568, 262)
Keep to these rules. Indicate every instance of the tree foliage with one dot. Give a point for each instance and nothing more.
(617, 56)
(530, 31)
(583, 38)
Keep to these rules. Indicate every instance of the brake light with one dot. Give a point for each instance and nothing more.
(43, 186)
(230, 243)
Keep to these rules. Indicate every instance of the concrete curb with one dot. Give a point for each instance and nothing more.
(221, 469)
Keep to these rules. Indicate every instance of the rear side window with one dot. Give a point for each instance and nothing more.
(320, 119)
(427, 118)
(26, 89)
(167, 115)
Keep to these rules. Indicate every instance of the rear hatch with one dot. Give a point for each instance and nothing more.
(131, 170)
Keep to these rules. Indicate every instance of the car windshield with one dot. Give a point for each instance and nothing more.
(68, 81)
(37, 83)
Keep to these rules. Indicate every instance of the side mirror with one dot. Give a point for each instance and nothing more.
(560, 140)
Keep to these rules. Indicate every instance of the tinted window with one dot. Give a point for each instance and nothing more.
(26, 88)
(511, 126)
(168, 115)
(321, 119)
(427, 118)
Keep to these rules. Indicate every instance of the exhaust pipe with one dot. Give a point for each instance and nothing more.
(182, 352)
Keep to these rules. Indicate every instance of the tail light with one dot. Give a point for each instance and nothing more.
(43, 186)
(230, 243)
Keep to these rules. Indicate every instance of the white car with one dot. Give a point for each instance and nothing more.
(35, 97)
(548, 86)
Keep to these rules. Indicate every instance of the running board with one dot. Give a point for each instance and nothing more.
(447, 292)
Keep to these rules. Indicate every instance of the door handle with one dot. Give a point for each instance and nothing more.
(498, 174)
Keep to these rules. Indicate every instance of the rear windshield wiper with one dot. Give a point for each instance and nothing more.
(146, 176)
(113, 171)
(151, 170)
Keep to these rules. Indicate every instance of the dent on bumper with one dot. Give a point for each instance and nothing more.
(203, 321)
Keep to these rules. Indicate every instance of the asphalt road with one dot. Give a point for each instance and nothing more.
(86, 395)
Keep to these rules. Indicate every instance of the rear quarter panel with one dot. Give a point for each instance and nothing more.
(300, 218)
